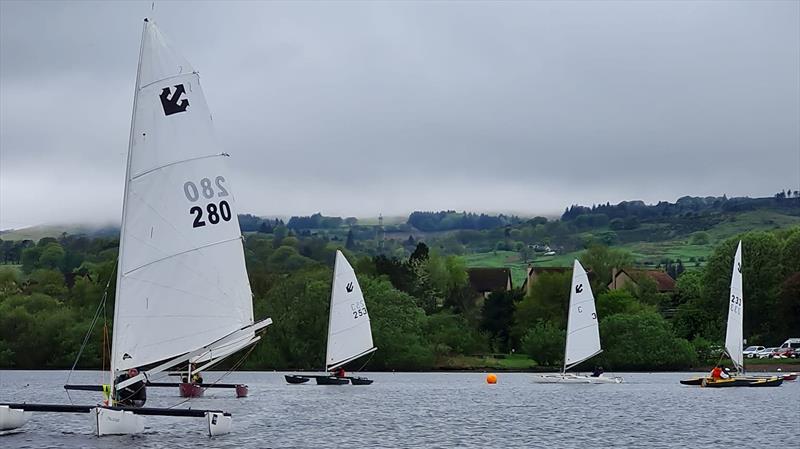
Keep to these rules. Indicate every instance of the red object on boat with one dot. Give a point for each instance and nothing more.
(790, 376)
(241, 391)
(189, 390)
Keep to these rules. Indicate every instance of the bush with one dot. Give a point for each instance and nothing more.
(644, 341)
(544, 342)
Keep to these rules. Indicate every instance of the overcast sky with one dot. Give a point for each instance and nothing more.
(366, 108)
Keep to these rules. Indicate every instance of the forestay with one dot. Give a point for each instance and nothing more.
(583, 332)
(182, 282)
(734, 334)
(349, 332)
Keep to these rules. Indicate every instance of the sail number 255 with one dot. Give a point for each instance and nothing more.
(213, 212)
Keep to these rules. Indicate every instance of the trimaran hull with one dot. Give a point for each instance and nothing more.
(574, 379)
(113, 420)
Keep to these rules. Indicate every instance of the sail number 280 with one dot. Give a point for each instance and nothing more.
(213, 212)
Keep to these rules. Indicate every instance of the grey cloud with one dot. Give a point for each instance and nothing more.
(360, 108)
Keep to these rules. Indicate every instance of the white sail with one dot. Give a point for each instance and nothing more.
(182, 282)
(734, 334)
(583, 332)
(349, 332)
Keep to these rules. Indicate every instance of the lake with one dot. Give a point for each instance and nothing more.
(435, 410)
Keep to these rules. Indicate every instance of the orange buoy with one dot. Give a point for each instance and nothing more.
(491, 378)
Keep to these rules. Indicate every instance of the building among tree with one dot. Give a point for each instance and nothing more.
(621, 277)
(488, 280)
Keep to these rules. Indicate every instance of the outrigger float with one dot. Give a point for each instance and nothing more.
(183, 297)
(734, 340)
(113, 420)
(349, 330)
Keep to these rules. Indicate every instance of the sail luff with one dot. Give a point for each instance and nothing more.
(330, 311)
(124, 206)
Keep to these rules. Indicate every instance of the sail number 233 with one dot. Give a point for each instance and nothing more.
(206, 190)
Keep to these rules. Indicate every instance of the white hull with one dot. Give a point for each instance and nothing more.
(12, 418)
(218, 424)
(574, 379)
(116, 422)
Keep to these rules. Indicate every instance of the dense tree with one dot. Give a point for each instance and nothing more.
(602, 260)
(497, 317)
(544, 342)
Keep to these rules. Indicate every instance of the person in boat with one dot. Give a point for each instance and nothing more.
(197, 378)
(135, 394)
(598, 371)
(339, 372)
(718, 373)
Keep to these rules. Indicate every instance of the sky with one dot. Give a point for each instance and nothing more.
(367, 108)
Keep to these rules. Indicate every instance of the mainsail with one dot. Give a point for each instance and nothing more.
(734, 334)
(181, 283)
(349, 332)
(583, 332)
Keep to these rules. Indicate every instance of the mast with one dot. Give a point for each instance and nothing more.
(120, 268)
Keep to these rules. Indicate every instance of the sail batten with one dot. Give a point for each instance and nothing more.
(175, 163)
(176, 255)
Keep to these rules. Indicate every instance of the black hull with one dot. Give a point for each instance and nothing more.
(734, 382)
(294, 379)
(331, 380)
(360, 381)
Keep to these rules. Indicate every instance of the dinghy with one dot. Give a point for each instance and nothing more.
(349, 330)
(182, 292)
(734, 340)
(583, 334)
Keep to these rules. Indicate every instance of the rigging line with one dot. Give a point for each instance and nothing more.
(100, 307)
(371, 354)
(176, 163)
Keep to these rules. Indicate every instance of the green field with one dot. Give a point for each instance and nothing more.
(512, 362)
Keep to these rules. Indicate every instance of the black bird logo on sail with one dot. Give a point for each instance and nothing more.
(126, 356)
(173, 104)
(739, 267)
(349, 287)
(579, 288)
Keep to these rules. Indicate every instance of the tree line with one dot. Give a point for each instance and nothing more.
(422, 308)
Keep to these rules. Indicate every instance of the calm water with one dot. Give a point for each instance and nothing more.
(433, 410)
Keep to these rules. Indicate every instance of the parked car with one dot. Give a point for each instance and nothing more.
(791, 343)
(751, 351)
(767, 353)
(786, 353)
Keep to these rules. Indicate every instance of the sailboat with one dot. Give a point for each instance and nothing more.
(182, 288)
(349, 330)
(734, 339)
(583, 333)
